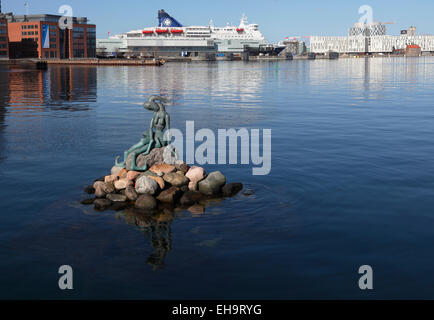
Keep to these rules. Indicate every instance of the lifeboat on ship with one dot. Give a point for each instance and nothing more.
(147, 32)
(240, 29)
(161, 30)
(176, 31)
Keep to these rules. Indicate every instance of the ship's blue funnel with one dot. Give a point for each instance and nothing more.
(165, 20)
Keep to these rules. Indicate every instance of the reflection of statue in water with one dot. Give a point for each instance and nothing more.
(157, 229)
(160, 236)
(151, 139)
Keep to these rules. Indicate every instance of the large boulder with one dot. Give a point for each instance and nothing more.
(146, 202)
(176, 179)
(232, 189)
(159, 180)
(155, 156)
(102, 189)
(170, 195)
(145, 185)
(195, 175)
(109, 187)
(213, 183)
(131, 193)
(99, 187)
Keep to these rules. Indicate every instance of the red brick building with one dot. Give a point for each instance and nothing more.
(4, 47)
(39, 36)
(413, 50)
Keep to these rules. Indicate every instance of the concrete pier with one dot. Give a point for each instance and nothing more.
(43, 63)
(107, 62)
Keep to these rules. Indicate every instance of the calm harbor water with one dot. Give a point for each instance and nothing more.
(352, 182)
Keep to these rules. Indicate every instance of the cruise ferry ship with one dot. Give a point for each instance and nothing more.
(170, 36)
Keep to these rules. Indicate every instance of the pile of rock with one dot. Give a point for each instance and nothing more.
(175, 185)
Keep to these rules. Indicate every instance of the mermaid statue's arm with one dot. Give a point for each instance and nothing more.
(168, 137)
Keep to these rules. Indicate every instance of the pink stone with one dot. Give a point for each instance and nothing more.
(195, 175)
(192, 186)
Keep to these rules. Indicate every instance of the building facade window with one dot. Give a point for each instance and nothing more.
(78, 53)
(91, 42)
(78, 34)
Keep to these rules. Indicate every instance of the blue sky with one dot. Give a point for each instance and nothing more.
(277, 18)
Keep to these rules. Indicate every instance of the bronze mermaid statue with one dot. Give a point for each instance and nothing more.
(151, 139)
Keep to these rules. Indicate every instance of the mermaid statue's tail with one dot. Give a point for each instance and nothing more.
(119, 164)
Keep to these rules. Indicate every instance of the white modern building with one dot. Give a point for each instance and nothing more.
(370, 39)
